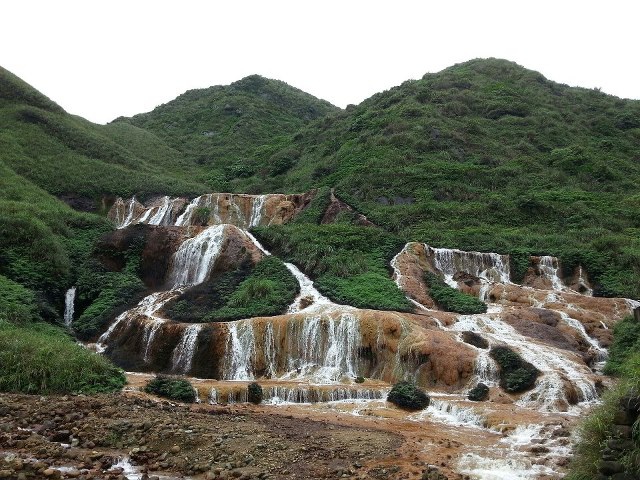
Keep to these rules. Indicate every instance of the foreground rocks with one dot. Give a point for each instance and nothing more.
(110, 436)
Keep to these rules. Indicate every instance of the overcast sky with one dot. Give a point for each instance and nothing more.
(102, 59)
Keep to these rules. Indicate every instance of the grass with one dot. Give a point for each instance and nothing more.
(452, 300)
(41, 359)
(597, 429)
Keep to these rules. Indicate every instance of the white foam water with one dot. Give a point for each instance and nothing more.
(69, 300)
(194, 259)
(182, 357)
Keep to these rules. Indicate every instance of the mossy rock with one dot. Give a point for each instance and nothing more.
(408, 396)
(516, 374)
(478, 393)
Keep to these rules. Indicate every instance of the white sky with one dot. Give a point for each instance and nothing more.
(102, 59)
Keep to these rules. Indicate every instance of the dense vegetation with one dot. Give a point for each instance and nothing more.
(173, 388)
(516, 374)
(264, 290)
(450, 299)
(599, 431)
(349, 264)
(38, 358)
(408, 396)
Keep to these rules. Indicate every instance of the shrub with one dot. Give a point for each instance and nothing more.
(359, 379)
(478, 393)
(42, 359)
(174, 388)
(408, 396)
(254, 393)
(516, 374)
(452, 300)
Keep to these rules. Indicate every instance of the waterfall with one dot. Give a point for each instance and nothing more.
(240, 352)
(257, 207)
(600, 353)
(485, 369)
(270, 350)
(310, 394)
(487, 266)
(450, 413)
(159, 218)
(555, 366)
(324, 349)
(183, 353)
(127, 214)
(549, 267)
(69, 300)
(196, 256)
(582, 282)
(150, 331)
(213, 396)
(308, 292)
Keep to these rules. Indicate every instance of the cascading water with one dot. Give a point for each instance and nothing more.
(308, 293)
(600, 353)
(451, 414)
(183, 353)
(487, 266)
(257, 207)
(69, 300)
(195, 258)
(549, 268)
(241, 351)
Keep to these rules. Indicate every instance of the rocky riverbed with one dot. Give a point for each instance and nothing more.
(130, 435)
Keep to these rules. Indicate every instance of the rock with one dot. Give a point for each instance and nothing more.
(610, 468)
(624, 417)
(175, 449)
(474, 339)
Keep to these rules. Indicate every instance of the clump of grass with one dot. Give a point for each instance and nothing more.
(42, 359)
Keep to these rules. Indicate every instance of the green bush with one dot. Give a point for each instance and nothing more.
(254, 393)
(42, 359)
(478, 393)
(452, 300)
(174, 388)
(408, 396)
(516, 374)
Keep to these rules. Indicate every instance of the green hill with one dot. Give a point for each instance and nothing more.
(489, 156)
(232, 132)
(484, 155)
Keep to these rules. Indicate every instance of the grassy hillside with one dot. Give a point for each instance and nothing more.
(237, 131)
(489, 156)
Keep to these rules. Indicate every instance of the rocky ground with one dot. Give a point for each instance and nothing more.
(133, 436)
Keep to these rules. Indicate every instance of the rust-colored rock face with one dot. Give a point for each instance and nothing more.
(158, 246)
(409, 266)
(242, 210)
(337, 206)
